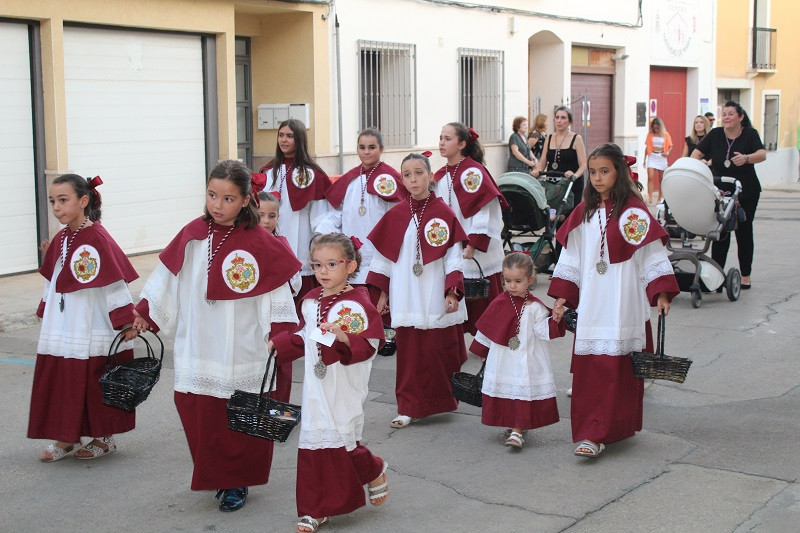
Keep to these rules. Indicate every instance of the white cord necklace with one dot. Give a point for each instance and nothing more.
(363, 209)
(211, 258)
(417, 268)
(61, 303)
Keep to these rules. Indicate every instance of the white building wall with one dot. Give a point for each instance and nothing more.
(439, 30)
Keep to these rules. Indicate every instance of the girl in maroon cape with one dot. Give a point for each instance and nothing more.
(519, 391)
(468, 189)
(340, 333)
(301, 184)
(222, 285)
(612, 269)
(86, 299)
(417, 266)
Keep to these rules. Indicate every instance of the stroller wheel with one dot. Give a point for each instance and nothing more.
(697, 297)
(733, 284)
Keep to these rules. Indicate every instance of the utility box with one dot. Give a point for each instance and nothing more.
(270, 116)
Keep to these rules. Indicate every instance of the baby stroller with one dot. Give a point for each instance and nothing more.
(529, 213)
(701, 208)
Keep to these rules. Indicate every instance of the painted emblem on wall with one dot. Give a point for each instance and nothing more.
(634, 224)
(471, 179)
(240, 271)
(85, 263)
(436, 232)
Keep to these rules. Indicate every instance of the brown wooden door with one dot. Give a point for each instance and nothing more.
(596, 90)
(668, 87)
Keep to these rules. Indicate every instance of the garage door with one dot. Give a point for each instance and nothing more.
(596, 89)
(17, 186)
(135, 118)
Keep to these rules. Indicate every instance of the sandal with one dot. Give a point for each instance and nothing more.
(515, 439)
(401, 421)
(95, 450)
(379, 491)
(311, 523)
(588, 448)
(506, 432)
(54, 453)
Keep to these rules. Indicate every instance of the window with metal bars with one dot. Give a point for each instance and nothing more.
(387, 85)
(772, 110)
(481, 91)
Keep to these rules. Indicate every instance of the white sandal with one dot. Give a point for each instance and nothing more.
(379, 491)
(592, 449)
(515, 439)
(96, 450)
(57, 452)
(401, 421)
(312, 523)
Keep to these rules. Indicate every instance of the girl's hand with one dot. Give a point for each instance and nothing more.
(44, 245)
(270, 346)
(336, 329)
(535, 172)
(469, 252)
(558, 309)
(663, 304)
(383, 303)
(128, 335)
(451, 302)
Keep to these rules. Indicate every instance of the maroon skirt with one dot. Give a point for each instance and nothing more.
(67, 402)
(426, 359)
(223, 458)
(330, 481)
(524, 414)
(475, 308)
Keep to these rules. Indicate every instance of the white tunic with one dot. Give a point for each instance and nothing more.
(524, 373)
(346, 220)
(218, 348)
(332, 415)
(297, 226)
(420, 301)
(613, 307)
(487, 221)
(84, 329)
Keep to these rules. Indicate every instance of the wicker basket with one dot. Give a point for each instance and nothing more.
(389, 346)
(657, 365)
(467, 387)
(476, 288)
(261, 416)
(128, 384)
(570, 319)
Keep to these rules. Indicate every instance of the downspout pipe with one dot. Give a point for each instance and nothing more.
(339, 92)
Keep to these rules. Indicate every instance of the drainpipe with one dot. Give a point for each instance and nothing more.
(339, 93)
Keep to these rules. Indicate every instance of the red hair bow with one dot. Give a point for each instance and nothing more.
(277, 195)
(526, 252)
(427, 153)
(356, 242)
(473, 134)
(259, 181)
(94, 182)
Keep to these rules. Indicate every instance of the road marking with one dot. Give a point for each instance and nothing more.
(18, 362)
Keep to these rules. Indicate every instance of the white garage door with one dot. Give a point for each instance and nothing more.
(17, 186)
(135, 118)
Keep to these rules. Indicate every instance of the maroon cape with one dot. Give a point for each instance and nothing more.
(473, 186)
(384, 182)
(301, 190)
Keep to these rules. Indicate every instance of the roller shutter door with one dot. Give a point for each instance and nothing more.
(135, 117)
(18, 185)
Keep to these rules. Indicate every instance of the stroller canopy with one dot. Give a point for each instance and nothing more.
(521, 181)
(688, 187)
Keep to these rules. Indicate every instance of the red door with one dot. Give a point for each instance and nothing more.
(596, 90)
(668, 88)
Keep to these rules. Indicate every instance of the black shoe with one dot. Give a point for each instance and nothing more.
(745, 286)
(232, 499)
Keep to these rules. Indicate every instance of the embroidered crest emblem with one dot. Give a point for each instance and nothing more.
(303, 181)
(634, 224)
(471, 179)
(436, 232)
(350, 316)
(385, 185)
(85, 263)
(240, 271)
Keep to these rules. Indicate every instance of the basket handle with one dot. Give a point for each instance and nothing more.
(267, 375)
(480, 270)
(118, 340)
(662, 329)
(480, 372)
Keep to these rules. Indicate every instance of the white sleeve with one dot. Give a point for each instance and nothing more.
(46, 290)
(296, 283)
(541, 321)
(569, 261)
(483, 339)
(117, 295)
(331, 222)
(488, 221)
(317, 211)
(454, 259)
(275, 307)
(161, 293)
(652, 262)
(380, 265)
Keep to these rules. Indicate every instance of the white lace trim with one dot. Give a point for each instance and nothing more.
(568, 273)
(423, 321)
(657, 270)
(608, 346)
(159, 299)
(316, 439)
(198, 383)
(380, 265)
(511, 391)
(70, 346)
(542, 328)
(118, 295)
(283, 311)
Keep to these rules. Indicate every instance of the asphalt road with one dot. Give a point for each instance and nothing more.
(717, 453)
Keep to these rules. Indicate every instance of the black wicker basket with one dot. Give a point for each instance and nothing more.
(128, 384)
(389, 346)
(476, 288)
(467, 387)
(657, 365)
(570, 319)
(261, 416)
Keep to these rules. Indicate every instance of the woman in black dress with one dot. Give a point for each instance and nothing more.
(700, 128)
(734, 150)
(565, 152)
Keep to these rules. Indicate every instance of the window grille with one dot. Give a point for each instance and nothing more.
(772, 111)
(481, 91)
(387, 85)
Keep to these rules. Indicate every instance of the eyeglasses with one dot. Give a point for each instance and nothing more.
(330, 266)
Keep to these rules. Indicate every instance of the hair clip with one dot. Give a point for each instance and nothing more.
(427, 153)
(356, 242)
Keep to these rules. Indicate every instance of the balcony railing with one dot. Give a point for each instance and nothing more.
(765, 43)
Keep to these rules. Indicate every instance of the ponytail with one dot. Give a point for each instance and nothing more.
(473, 147)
